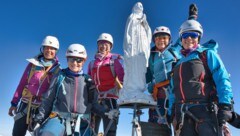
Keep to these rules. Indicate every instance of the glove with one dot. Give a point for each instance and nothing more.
(11, 110)
(235, 121)
(112, 114)
(224, 113)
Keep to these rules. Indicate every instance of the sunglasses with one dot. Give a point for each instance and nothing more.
(193, 35)
(78, 60)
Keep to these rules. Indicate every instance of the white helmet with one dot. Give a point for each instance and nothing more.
(106, 37)
(162, 29)
(191, 25)
(76, 50)
(51, 41)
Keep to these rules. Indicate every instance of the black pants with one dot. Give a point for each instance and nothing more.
(20, 126)
(207, 125)
(109, 104)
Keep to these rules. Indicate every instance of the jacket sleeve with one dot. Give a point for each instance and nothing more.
(119, 69)
(220, 77)
(171, 97)
(23, 82)
(48, 101)
(96, 107)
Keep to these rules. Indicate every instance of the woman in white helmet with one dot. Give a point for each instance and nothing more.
(198, 78)
(70, 99)
(106, 69)
(162, 56)
(34, 82)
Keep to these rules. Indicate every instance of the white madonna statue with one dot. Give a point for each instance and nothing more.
(136, 45)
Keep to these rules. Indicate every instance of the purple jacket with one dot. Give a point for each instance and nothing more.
(38, 84)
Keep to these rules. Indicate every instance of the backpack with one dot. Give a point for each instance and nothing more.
(111, 63)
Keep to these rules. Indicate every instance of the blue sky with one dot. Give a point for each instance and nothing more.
(24, 24)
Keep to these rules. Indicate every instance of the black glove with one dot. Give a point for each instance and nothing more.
(224, 113)
(193, 11)
(235, 121)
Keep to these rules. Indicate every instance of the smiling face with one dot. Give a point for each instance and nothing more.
(161, 41)
(104, 47)
(75, 64)
(49, 52)
(190, 39)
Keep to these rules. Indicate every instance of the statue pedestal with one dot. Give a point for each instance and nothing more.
(137, 112)
(132, 97)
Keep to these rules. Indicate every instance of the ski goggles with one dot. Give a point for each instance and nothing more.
(78, 60)
(193, 35)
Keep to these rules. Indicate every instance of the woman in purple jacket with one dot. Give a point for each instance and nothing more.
(34, 82)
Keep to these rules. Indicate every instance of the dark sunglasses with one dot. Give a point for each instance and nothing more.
(193, 35)
(78, 60)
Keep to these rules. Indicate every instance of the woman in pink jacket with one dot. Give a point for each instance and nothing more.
(107, 73)
(34, 82)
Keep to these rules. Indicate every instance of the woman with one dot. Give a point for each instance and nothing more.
(70, 99)
(198, 78)
(107, 72)
(34, 82)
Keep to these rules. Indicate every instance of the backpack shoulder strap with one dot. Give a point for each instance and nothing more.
(91, 64)
(112, 60)
(59, 82)
(173, 54)
(90, 87)
(112, 67)
(30, 74)
(203, 58)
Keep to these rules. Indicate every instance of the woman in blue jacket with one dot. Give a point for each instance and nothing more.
(200, 82)
(163, 55)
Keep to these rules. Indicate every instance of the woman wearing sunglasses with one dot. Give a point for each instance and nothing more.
(70, 99)
(198, 78)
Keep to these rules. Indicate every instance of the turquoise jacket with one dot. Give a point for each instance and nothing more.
(218, 71)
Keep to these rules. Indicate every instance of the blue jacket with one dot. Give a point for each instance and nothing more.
(160, 65)
(219, 74)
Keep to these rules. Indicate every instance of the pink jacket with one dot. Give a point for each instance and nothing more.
(36, 85)
(102, 75)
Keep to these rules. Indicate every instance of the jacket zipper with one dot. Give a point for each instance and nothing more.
(202, 84)
(181, 88)
(75, 94)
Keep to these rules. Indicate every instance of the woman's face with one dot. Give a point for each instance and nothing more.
(190, 39)
(49, 52)
(104, 47)
(161, 42)
(75, 64)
